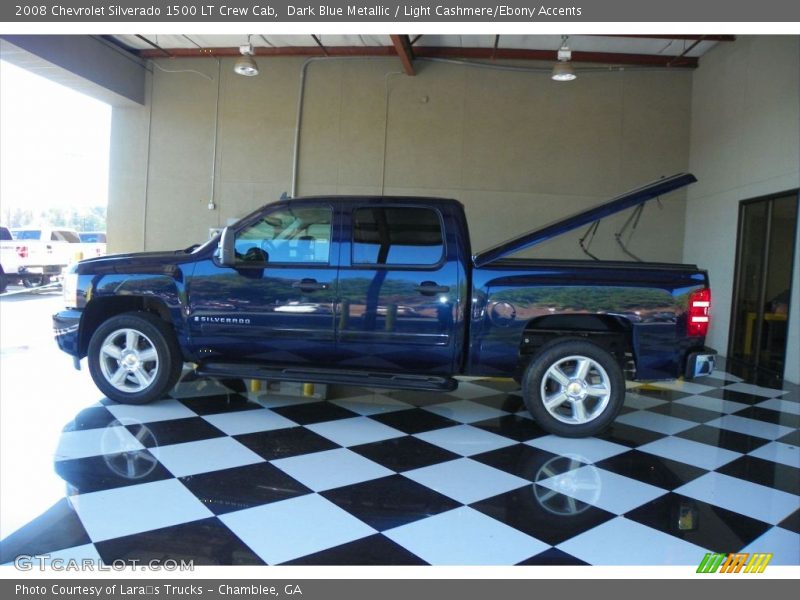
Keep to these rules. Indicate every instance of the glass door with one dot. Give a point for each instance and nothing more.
(765, 254)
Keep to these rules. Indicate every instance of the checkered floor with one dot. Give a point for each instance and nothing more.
(391, 477)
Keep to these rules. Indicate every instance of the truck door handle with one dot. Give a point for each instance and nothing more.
(309, 285)
(430, 288)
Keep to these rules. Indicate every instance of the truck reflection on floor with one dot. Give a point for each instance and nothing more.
(128, 450)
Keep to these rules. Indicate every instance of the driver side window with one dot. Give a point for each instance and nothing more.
(287, 235)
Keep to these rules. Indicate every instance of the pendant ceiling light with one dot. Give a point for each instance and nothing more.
(246, 64)
(563, 70)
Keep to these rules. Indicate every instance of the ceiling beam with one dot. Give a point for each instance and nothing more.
(707, 38)
(609, 58)
(402, 45)
(222, 52)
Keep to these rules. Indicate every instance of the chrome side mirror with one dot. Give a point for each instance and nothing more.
(227, 253)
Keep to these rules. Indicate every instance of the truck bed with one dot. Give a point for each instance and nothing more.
(645, 303)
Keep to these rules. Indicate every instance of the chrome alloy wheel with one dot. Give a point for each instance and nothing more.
(575, 390)
(128, 360)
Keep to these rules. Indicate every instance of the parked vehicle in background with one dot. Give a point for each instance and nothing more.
(386, 292)
(44, 252)
(9, 259)
(93, 243)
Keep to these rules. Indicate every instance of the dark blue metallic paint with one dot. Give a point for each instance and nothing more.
(65, 326)
(649, 300)
(386, 318)
(259, 314)
(157, 277)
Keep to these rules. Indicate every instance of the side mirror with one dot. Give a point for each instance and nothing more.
(227, 253)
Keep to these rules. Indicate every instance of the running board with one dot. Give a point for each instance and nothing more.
(407, 381)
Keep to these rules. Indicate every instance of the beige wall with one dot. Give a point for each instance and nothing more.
(745, 143)
(127, 176)
(518, 149)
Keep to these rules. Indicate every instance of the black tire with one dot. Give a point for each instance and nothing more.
(3, 282)
(33, 281)
(577, 407)
(149, 362)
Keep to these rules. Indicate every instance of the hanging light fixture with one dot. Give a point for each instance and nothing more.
(562, 70)
(246, 64)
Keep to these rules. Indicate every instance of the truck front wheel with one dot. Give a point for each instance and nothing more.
(573, 388)
(134, 358)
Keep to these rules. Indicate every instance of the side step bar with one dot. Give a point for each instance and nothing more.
(407, 381)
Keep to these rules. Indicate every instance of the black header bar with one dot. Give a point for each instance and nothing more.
(394, 11)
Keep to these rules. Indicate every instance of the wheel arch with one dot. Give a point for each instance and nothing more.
(101, 309)
(612, 333)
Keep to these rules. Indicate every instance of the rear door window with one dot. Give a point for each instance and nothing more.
(397, 235)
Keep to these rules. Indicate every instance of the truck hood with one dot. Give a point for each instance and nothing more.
(132, 262)
(620, 203)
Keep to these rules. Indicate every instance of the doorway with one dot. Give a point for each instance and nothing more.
(762, 288)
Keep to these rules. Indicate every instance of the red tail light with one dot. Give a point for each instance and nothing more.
(22, 251)
(699, 312)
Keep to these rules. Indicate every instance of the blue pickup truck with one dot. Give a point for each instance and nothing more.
(386, 292)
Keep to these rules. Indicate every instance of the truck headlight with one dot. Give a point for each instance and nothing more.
(70, 288)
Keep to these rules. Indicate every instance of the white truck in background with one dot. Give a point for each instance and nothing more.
(9, 259)
(37, 254)
(93, 243)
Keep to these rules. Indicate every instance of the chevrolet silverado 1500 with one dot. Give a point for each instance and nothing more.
(386, 292)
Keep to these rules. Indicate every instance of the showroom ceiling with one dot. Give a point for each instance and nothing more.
(678, 51)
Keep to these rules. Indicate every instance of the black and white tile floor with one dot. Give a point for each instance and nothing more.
(388, 477)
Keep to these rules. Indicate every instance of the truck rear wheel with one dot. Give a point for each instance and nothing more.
(573, 388)
(134, 358)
